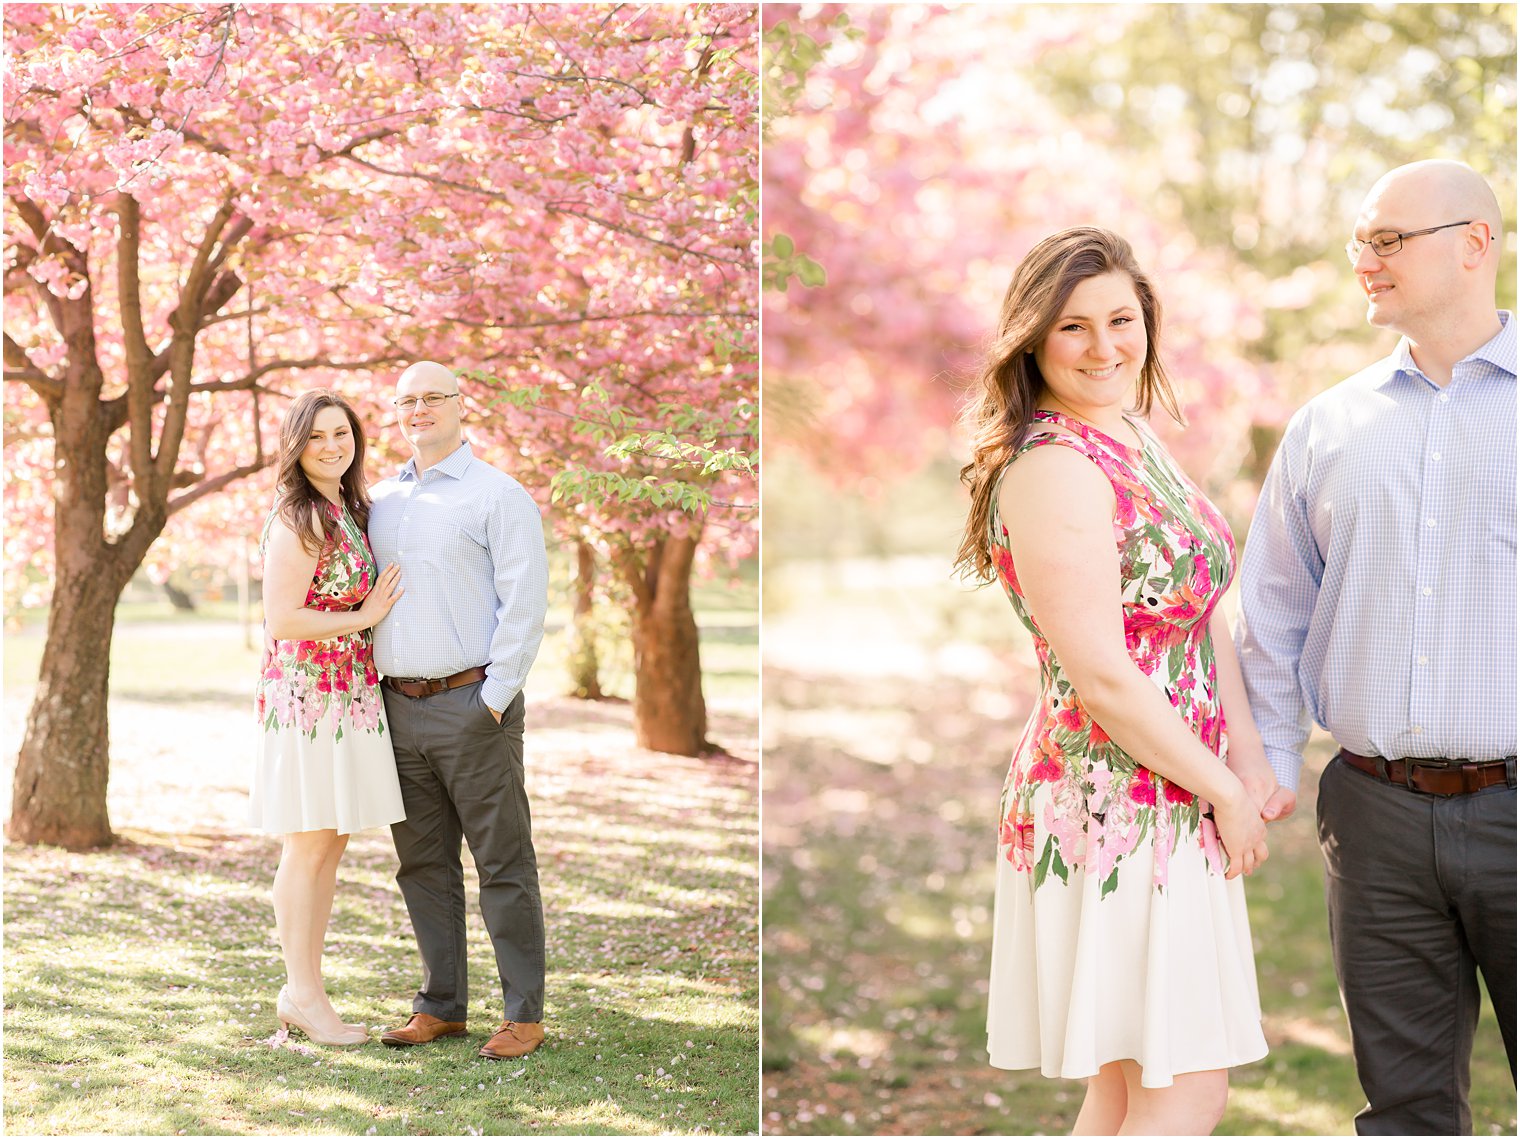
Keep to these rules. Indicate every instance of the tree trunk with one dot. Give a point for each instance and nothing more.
(669, 713)
(178, 598)
(585, 673)
(59, 793)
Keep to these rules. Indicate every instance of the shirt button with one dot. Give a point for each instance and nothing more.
(1417, 729)
(1422, 660)
(1436, 455)
(1444, 397)
(1430, 521)
(1426, 591)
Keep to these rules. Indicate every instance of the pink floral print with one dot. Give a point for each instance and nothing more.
(301, 681)
(1073, 799)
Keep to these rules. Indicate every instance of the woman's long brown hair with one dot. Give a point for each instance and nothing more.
(300, 504)
(1008, 388)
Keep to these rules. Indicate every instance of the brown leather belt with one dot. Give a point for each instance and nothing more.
(1435, 776)
(408, 686)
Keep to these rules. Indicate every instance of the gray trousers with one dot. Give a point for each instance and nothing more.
(1421, 892)
(462, 776)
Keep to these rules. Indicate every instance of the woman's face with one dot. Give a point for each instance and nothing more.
(1093, 353)
(330, 447)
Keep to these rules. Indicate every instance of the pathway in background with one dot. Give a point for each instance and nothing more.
(140, 979)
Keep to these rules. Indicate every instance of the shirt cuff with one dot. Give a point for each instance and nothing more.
(495, 694)
(1285, 765)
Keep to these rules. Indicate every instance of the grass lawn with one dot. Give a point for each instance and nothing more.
(140, 980)
(893, 699)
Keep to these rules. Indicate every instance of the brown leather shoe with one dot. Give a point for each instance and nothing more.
(513, 1040)
(422, 1029)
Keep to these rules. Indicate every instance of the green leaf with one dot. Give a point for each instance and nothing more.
(810, 272)
(1042, 868)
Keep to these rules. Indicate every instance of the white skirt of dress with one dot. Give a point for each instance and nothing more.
(327, 780)
(1164, 977)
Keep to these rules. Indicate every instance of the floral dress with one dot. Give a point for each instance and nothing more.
(1116, 935)
(325, 759)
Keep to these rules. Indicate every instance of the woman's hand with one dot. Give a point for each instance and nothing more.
(1254, 772)
(384, 594)
(1241, 832)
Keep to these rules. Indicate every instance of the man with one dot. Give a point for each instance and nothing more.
(1378, 596)
(455, 652)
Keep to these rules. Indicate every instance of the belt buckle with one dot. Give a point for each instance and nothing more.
(1411, 765)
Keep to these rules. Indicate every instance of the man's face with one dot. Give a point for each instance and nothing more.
(1408, 289)
(424, 427)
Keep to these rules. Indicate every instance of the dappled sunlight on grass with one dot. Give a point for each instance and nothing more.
(141, 979)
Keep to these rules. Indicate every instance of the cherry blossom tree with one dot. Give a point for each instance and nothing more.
(917, 164)
(210, 208)
(916, 152)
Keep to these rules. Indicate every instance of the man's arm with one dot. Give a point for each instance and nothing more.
(1279, 584)
(515, 537)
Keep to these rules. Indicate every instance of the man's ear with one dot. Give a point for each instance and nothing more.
(1479, 237)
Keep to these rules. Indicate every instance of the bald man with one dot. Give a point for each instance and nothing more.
(1378, 598)
(455, 652)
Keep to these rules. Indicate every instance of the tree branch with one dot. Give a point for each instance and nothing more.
(41, 228)
(20, 368)
(212, 485)
(202, 295)
(549, 207)
(250, 378)
(588, 318)
(197, 279)
(555, 208)
(139, 357)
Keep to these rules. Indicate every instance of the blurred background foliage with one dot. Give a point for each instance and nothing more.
(912, 155)
(916, 153)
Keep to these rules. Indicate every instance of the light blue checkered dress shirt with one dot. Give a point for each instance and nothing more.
(1378, 581)
(470, 543)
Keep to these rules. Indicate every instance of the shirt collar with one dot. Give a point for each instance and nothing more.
(1499, 351)
(454, 465)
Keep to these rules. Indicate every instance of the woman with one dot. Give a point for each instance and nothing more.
(1121, 950)
(326, 768)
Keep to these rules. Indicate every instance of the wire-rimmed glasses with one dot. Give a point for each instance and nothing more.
(1388, 242)
(432, 399)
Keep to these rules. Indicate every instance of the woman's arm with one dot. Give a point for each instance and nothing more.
(1058, 508)
(288, 570)
(1247, 757)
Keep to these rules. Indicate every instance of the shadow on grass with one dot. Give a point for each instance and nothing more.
(141, 979)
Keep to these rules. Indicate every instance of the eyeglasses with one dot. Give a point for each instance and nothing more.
(432, 399)
(1384, 244)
